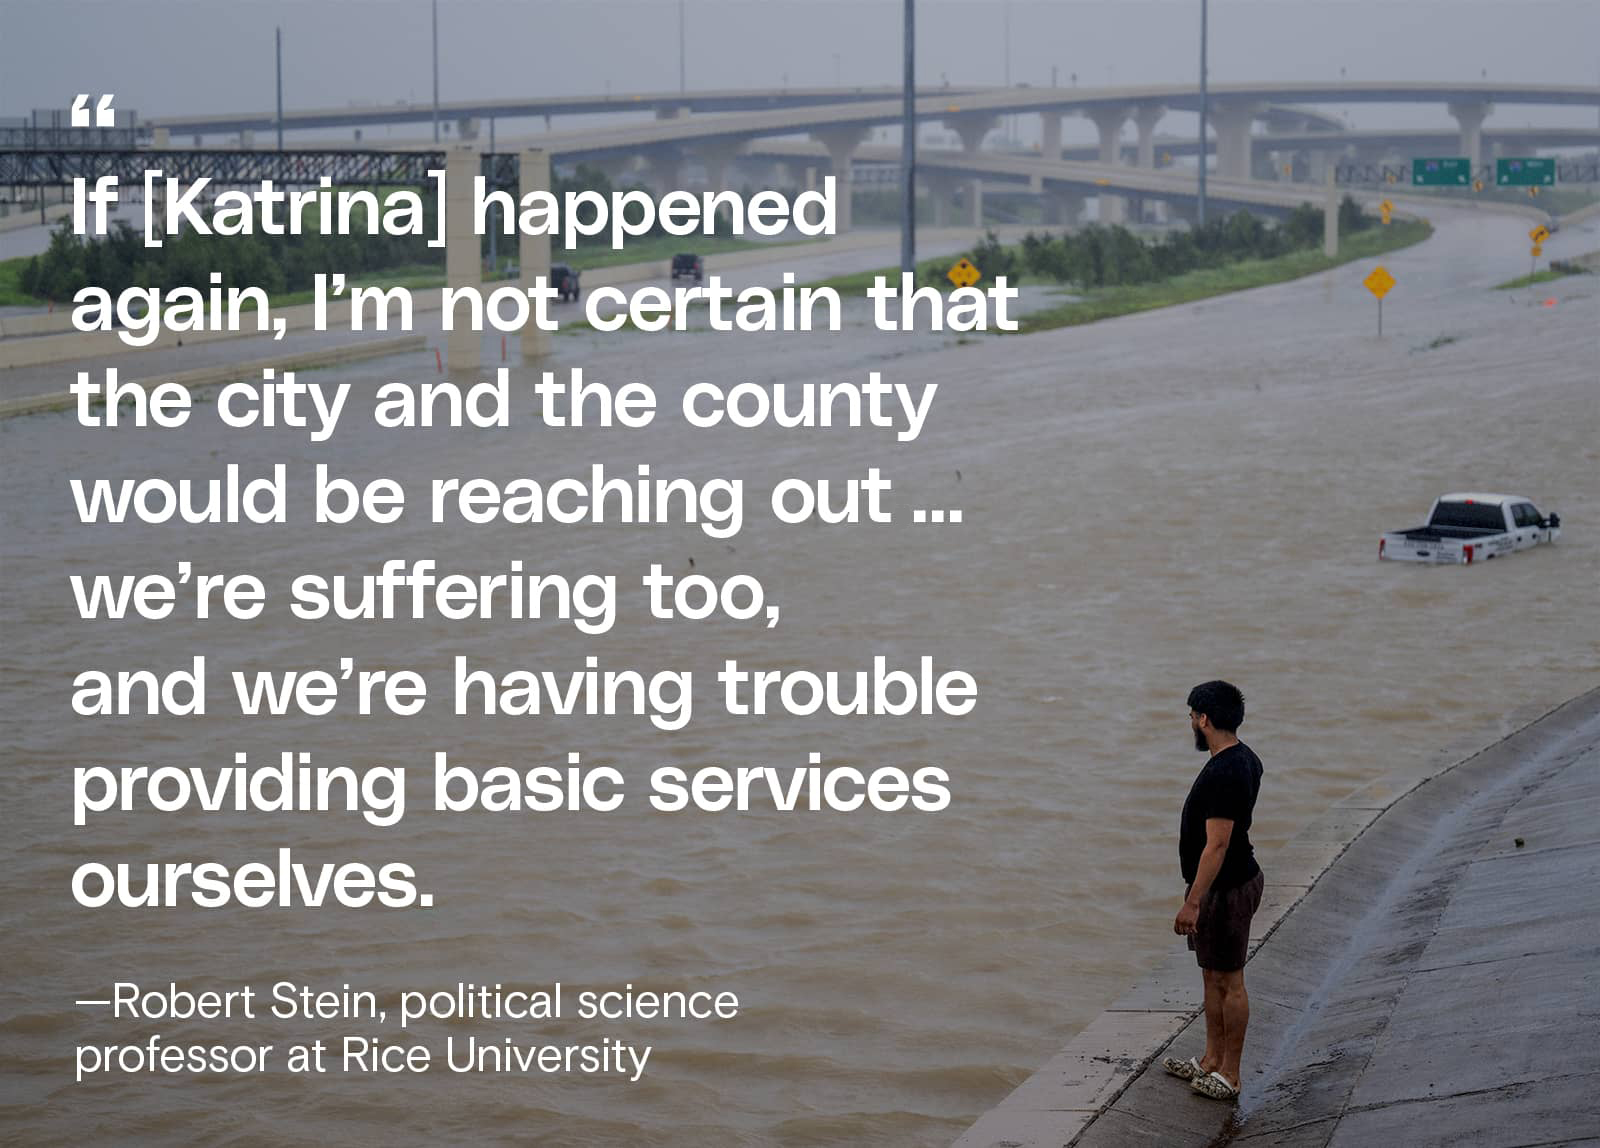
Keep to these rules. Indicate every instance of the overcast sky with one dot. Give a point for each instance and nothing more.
(172, 56)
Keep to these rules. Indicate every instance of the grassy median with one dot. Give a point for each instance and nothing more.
(1109, 302)
(1549, 275)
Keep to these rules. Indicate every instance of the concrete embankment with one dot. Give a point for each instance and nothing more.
(1435, 985)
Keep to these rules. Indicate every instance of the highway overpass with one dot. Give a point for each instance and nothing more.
(842, 117)
(468, 114)
(839, 121)
(841, 127)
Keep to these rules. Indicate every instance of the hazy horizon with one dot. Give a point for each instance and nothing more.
(378, 51)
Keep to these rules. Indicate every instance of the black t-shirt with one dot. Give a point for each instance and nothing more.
(1226, 788)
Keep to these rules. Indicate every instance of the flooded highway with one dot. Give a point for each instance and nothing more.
(1146, 503)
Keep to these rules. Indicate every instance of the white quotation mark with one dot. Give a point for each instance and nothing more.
(104, 116)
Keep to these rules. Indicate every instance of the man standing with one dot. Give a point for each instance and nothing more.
(1224, 884)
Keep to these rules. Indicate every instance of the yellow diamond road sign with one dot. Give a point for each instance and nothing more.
(963, 274)
(1379, 282)
(1539, 234)
(1386, 206)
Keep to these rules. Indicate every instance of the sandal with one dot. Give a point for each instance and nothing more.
(1214, 1085)
(1182, 1069)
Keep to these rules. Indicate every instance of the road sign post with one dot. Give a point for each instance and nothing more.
(1525, 171)
(1443, 171)
(1379, 282)
(1538, 235)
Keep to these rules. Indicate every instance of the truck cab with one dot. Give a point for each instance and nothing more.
(1472, 527)
(687, 265)
(564, 278)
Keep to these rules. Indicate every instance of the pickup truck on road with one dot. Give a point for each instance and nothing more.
(1467, 528)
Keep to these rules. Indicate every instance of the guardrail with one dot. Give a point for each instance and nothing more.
(1399, 175)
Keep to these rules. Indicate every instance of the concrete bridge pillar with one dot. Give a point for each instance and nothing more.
(1063, 207)
(463, 260)
(718, 156)
(841, 144)
(975, 190)
(533, 251)
(666, 168)
(1232, 121)
(1470, 117)
(467, 128)
(1318, 161)
(1050, 138)
(971, 128)
(1109, 122)
(941, 191)
(1145, 120)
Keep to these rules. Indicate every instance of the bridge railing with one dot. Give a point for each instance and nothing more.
(48, 128)
(1385, 175)
(362, 167)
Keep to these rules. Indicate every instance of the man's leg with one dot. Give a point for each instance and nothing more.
(1216, 1021)
(1234, 1008)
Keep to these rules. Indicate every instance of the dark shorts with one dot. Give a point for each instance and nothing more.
(1221, 939)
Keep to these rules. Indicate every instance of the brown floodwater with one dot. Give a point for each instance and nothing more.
(1147, 503)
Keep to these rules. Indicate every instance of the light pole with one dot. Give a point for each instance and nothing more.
(683, 54)
(1005, 10)
(908, 146)
(278, 41)
(1200, 206)
(1011, 121)
(494, 247)
(435, 71)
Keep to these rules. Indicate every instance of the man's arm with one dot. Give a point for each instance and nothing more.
(1219, 831)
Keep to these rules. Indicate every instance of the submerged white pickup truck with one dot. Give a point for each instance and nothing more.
(1467, 528)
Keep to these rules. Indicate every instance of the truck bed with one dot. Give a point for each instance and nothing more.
(1437, 533)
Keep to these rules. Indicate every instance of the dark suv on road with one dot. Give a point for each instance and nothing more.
(688, 267)
(565, 280)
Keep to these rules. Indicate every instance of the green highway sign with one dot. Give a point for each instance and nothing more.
(1447, 171)
(1531, 172)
